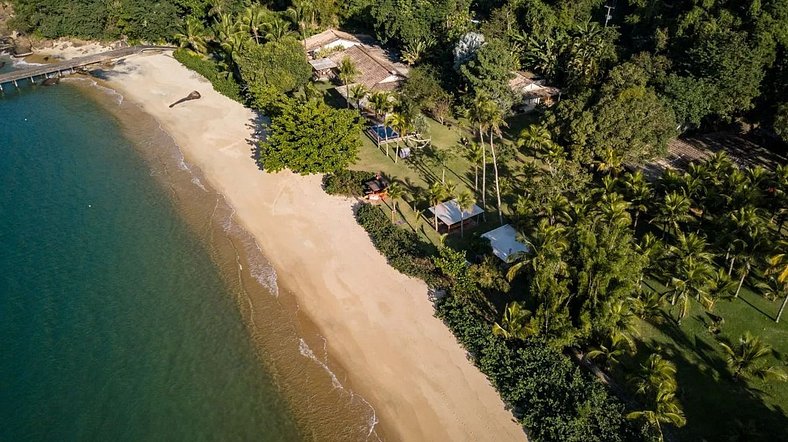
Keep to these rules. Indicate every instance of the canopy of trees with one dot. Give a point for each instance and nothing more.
(310, 137)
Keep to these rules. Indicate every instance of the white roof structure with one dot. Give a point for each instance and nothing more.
(504, 242)
(449, 212)
(322, 64)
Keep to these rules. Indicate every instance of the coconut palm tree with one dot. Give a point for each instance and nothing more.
(253, 17)
(778, 266)
(192, 35)
(478, 115)
(276, 29)
(639, 193)
(465, 202)
(401, 124)
(746, 359)
(610, 354)
(666, 410)
(302, 13)
(778, 262)
(442, 157)
(381, 103)
(494, 123)
(655, 374)
(537, 139)
(347, 73)
(720, 287)
(395, 191)
(675, 209)
(516, 323)
(358, 92)
(547, 243)
(474, 153)
(436, 194)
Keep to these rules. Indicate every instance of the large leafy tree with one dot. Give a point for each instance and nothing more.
(310, 137)
(273, 69)
(634, 123)
(489, 70)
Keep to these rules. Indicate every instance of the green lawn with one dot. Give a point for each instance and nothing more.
(711, 400)
(421, 170)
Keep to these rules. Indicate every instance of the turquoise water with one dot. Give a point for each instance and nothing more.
(115, 324)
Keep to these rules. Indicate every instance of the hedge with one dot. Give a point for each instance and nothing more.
(211, 71)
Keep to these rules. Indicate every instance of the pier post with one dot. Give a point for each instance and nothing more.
(16, 85)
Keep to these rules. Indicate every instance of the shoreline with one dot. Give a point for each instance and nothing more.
(364, 309)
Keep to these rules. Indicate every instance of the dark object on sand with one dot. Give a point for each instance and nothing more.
(50, 81)
(2, 64)
(192, 96)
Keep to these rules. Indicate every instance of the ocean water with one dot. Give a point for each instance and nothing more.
(131, 305)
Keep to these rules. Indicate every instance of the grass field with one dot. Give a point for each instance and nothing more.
(712, 401)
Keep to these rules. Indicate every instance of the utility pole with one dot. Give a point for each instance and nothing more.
(607, 14)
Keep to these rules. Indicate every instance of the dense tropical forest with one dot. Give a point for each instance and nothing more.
(649, 304)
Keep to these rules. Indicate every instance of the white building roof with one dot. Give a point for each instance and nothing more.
(322, 64)
(504, 242)
(449, 212)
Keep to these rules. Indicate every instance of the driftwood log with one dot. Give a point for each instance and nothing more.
(194, 95)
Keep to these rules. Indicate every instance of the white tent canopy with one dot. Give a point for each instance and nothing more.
(504, 242)
(449, 212)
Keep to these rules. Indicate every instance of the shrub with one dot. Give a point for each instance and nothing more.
(211, 71)
(403, 249)
(553, 399)
(346, 182)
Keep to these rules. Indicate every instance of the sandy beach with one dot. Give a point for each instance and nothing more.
(378, 323)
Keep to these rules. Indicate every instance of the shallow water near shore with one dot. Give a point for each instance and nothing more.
(132, 306)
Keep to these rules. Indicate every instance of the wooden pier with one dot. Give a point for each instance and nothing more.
(71, 66)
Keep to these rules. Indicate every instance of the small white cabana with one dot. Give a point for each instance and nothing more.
(450, 216)
(504, 242)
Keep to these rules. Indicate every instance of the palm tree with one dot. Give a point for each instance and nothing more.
(192, 35)
(358, 92)
(639, 193)
(302, 14)
(494, 122)
(253, 18)
(611, 353)
(478, 115)
(277, 29)
(746, 359)
(347, 73)
(538, 140)
(547, 243)
(381, 102)
(647, 305)
(675, 209)
(778, 265)
(656, 374)
(778, 262)
(442, 157)
(516, 323)
(465, 202)
(395, 192)
(666, 410)
(720, 287)
(474, 153)
(400, 124)
(436, 194)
